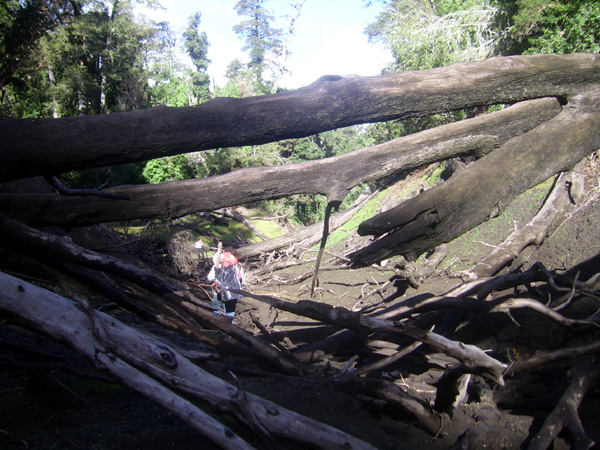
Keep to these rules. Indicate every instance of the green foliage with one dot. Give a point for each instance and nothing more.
(262, 41)
(269, 228)
(327, 144)
(168, 84)
(227, 160)
(171, 91)
(22, 24)
(109, 176)
(171, 168)
(423, 35)
(559, 26)
(197, 45)
(94, 62)
(239, 81)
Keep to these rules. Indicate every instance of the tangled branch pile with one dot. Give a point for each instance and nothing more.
(461, 363)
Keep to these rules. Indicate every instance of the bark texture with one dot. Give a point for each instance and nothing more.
(484, 189)
(476, 136)
(155, 369)
(32, 147)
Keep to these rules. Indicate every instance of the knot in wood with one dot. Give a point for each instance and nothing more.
(272, 411)
(166, 356)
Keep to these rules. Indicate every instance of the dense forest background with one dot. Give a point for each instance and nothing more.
(70, 58)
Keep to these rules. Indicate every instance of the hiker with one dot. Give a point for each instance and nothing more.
(226, 274)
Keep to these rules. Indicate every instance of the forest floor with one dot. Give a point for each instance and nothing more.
(111, 416)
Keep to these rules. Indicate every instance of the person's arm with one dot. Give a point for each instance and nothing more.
(211, 275)
(241, 275)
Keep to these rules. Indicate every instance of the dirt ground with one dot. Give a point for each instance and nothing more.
(111, 416)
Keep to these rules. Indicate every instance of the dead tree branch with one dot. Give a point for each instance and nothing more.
(554, 209)
(476, 136)
(470, 355)
(481, 191)
(565, 415)
(155, 369)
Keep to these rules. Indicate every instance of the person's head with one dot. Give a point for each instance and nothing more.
(228, 259)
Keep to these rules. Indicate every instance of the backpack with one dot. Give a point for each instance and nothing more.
(227, 278)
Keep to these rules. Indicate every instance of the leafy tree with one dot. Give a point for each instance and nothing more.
(327, 144)
(559, 26)
(262, 41)
(22, 24)
(426, 34)
(168, 84)
(95, 62)
(171, 168)
(240, 81)
(130, 173)
(279, 68)
(197, 45)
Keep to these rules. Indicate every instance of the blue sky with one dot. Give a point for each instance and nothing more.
(329, 37)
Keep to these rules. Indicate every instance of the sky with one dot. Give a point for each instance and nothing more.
(329, 37)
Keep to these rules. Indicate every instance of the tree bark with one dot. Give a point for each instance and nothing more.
(565, 415)
(171, 291)
(476, 136)
(51, 146)
(471, 196)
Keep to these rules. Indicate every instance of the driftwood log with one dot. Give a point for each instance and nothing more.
(305, 237)
(155, 369)
(169, 290)
(556, 206)
(478, 136)
(484, 189)
(51, 146)
(126, 353)
(549, 131)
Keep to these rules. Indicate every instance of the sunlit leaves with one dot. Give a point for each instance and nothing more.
(559, 26)
(423, 35)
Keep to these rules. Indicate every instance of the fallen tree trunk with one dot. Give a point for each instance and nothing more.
(565, 415)
(554, 209)
(476, 136)
(153, 368)
(51, 146)
(481, 191)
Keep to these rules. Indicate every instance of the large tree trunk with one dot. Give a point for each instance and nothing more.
(51, 146)
(485, 188)
(476, 136)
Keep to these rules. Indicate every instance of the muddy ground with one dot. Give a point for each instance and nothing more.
(111, 416)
